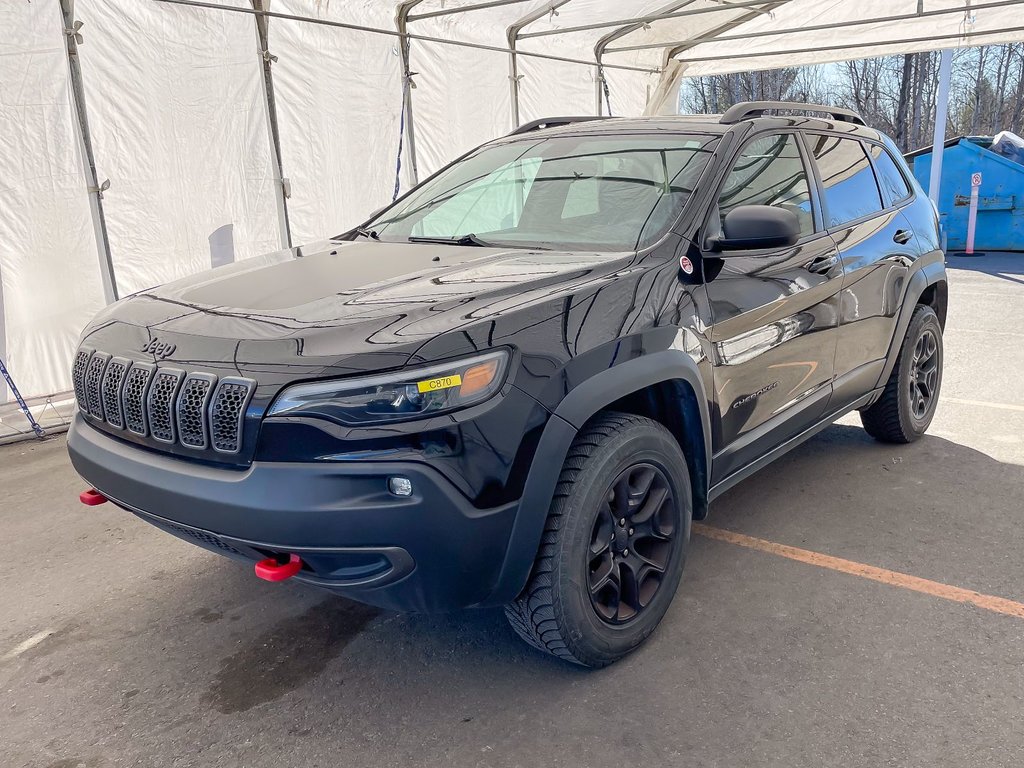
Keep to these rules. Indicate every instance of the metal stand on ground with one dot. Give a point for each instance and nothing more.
(40, 432)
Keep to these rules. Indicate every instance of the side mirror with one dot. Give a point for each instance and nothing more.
(749, 227)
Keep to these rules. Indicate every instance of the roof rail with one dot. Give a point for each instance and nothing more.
(748, 109)
(552, 122)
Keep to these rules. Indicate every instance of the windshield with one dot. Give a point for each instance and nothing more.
(603, 193)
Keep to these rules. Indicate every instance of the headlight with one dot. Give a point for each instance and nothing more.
(398, 396)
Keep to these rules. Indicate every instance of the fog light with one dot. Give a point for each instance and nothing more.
(400, 486)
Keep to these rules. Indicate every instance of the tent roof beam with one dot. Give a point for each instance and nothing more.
(641, 20)
(407, 35)
(810, 28)
(963, 39)
(464, 9)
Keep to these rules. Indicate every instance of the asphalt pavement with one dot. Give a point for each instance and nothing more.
(123, 646)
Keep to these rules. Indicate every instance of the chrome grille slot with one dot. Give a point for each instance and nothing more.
(93, 379)
(110, 391)
(190, 409)
(133, 398)
(227, 413)
(160, 403)
(78, 376)
(195, 410)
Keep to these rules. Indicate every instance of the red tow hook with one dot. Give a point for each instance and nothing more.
(92, 497)
(271, 570)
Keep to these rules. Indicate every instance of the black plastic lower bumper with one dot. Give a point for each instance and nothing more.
(432, 551)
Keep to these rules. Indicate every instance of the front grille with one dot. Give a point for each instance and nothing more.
(196, 410)
(227, 413)
(191, 409)
(110, 391)
(93, 377)
(133, 397)
(78, 377)
(201, 536)
(160, 403)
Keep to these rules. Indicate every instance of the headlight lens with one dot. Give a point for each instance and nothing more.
(399, 396)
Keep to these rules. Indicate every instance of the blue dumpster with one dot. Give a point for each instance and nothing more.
(1000, 225)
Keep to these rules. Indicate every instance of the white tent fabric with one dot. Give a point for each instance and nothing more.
(180, 129)
(339, 102)
(49, 268)
(181, 123)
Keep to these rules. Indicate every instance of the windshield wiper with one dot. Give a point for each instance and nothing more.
(367, 233)
(461, 240)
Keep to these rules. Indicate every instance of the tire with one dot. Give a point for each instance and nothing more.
(617, 462)
(905, 409)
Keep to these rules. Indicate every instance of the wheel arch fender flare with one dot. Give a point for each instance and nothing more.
(575, 409)
(931, 273)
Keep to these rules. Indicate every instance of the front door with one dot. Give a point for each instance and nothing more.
(774, 312)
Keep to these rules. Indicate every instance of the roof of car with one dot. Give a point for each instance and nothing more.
(706, 124)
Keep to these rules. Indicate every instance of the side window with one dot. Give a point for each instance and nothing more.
(769, 171)
(850, 188)
(890, 179)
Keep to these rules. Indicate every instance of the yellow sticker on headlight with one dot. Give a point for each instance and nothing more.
(441, 382)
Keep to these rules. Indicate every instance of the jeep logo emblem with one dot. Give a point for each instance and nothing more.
(159, 349)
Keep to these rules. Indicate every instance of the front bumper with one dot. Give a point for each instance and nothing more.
(432, 551)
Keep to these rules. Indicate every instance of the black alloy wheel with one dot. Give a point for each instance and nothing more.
(631, 543)
(907, 403)
(613, 546)
(924, 377)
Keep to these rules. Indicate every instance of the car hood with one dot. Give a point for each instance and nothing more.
(332, 308)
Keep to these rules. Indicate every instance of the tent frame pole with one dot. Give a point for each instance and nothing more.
(464, 9)
(963, 39)
(512, 35)
(706, 38)
(405, 49)
(281, 183)
(410, 35)
(631, 25)
(639, 21)
(99, 221)
(941, 113)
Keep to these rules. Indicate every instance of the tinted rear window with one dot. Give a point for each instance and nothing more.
(890, 179)
(846, 175)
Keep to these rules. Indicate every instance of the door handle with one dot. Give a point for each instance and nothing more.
(822, 264)
(902, 236)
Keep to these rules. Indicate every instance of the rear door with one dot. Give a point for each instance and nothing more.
(774, 311)
(863, 192)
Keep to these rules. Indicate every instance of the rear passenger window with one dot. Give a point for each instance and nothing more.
(849, 183)
(893, 184)
(769, 171)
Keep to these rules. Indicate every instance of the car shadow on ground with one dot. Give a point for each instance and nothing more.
(1008, 266)
(911, 508)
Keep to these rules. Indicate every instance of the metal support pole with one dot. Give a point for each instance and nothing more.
(73, 39)
(513, 81)
(281, 183)
(410, 125)
(941, 111)
(402, 23)
(630, 25)
(512, 35)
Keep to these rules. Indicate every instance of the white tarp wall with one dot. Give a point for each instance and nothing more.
(339, 102)
(179, 126)
(177, 104)
(49, 267)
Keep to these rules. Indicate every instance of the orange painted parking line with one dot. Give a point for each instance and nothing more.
(893, 578)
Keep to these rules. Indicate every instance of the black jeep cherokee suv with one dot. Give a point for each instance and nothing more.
(519, 383)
